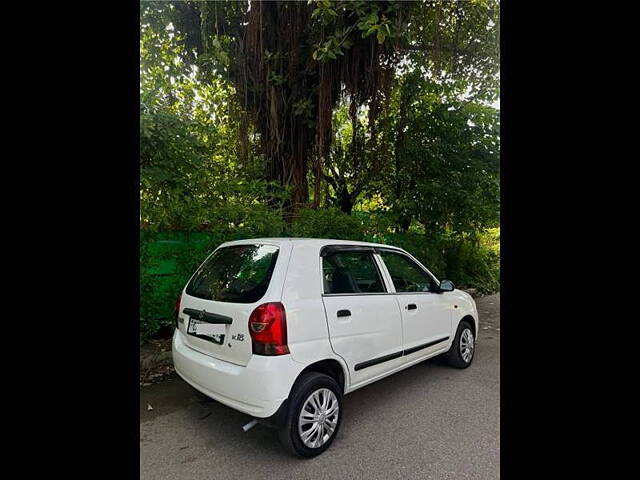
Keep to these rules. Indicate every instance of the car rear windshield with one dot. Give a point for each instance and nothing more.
(236, 274)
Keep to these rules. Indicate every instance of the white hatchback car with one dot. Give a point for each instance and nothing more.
(282, 328)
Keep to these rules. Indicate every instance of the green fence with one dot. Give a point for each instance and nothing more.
(168, 259)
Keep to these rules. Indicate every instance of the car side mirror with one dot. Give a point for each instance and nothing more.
(447, 286)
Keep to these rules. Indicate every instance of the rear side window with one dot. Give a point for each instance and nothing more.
(237, 274)
(351, 272)
(406, 274)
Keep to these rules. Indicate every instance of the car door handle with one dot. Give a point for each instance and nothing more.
(412, 306)
(344, 313)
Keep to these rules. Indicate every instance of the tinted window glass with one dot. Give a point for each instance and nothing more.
(238, 274)
(407, 276)
(351, 272)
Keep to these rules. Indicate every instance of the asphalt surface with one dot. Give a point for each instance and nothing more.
(429, 421)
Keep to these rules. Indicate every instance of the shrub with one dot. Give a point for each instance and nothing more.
(327, 223)
(429, 251)
(168, 259)
(475, 261)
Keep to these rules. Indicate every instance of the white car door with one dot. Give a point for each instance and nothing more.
(365, 324)
(426, 314)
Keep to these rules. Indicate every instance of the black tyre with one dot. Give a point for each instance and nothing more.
(314, 416)
(463, 348)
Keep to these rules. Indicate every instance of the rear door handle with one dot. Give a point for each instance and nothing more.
(344, 313)
(412, 306)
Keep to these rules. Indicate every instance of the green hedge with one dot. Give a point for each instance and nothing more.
(168, 259)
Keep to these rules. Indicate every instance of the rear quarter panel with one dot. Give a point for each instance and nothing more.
(307, 329)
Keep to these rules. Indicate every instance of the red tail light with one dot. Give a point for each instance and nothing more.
(268, 329)
(177, 308)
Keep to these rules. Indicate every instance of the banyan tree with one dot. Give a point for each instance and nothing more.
(292, 62)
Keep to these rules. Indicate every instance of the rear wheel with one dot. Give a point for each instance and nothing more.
(314, 416)
(463, 348)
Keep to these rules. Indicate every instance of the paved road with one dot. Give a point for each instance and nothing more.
(429, 422)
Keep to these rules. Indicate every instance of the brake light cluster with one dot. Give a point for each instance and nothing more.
(268, 329)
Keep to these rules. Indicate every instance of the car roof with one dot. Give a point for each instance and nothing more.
(318, 242)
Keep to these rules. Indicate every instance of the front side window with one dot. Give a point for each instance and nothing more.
(236, 274)
(351, 272)
(406, 274)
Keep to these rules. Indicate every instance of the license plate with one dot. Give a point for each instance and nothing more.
(197, 327)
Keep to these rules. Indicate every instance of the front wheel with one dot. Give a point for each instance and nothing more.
(314, 416)
(462, 349)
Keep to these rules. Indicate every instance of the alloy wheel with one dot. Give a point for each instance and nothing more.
(318, 418)
(466, 345)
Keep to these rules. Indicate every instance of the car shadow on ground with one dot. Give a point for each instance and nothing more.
(218, 423)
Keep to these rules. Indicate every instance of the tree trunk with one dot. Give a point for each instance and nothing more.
(287, 93)
(346, 203)
(270, 85)
(404, 221)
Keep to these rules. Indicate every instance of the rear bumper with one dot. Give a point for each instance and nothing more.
(257, 389)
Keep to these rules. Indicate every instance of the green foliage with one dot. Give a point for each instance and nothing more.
(371, 18)
(327, 223)
(170, 157)
(192, 169)
(457, 44)
(417, 168)
(447, 159)
(475, 261)
(235, 222)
